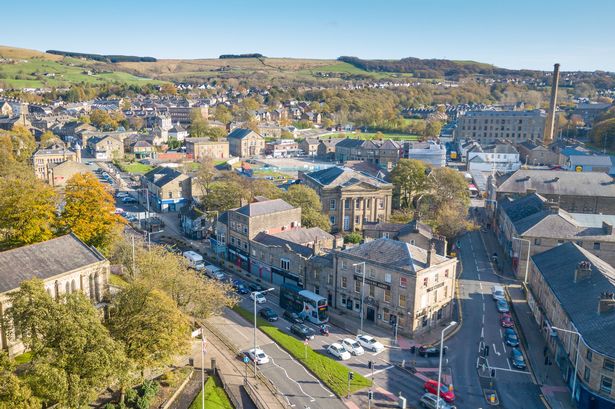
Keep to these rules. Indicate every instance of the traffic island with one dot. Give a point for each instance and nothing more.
(491, 396)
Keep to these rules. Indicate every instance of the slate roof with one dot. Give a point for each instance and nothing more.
(270, 240)
(350, 143)
(304, 235)
(341, 176)
(560, 225)
(265, 207)
(558, 266)
(331, 141)
(393, 254)
(239, 133)
(590, 160)
(44, 260)
(167, 175)
(559, 183)
(523, 207)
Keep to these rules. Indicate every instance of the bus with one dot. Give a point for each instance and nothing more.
(308, 305)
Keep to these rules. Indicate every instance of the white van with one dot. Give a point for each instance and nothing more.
(195, 260)
(498, 293)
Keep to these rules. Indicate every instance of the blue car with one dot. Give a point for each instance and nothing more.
(511, 338)
(516, 358)
(240, 287)
(502, 306)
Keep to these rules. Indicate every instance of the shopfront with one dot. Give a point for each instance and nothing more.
(239, 258)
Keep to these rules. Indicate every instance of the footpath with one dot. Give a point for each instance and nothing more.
(555, 392)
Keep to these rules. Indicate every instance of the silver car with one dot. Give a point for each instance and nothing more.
(429, 401)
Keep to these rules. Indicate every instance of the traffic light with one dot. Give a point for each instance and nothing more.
(370, 364)
(350, 376)
(370, 395)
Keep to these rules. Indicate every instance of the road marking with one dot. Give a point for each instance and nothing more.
(495, 350)
(377, 353)
(501, 332)
(504, 345)
(483, 319)
(478, 275)
(379, 371)
(480, 284)
(483, 307)
(508, 362)
(509, 370)
(303, 367)
(298, 384)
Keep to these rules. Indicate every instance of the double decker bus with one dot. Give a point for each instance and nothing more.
(308, 305)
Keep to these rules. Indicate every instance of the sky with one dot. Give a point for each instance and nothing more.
(532, 34)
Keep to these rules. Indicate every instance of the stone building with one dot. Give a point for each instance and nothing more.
(486, 127)
(62, 172)
(201, 148)
(415, 233)
(575, 192)
(244, 223)
(532, 153)
(405, 285)
(65, 264)
(326, 148)
(44, 159)
(245, 143)
(350, 198)
(574, 290)
(106, 147)
(309, 146)
(169, 190)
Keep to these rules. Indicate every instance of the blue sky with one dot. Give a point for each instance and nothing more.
(513, 34)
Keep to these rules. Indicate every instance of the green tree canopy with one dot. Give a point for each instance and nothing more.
(409, 178)
(311, 209)
(14, 392)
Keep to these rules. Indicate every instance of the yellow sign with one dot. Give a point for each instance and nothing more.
(578, 168)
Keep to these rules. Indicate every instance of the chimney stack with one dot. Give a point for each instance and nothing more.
(550, 120)
(584, 270)
(606, 302)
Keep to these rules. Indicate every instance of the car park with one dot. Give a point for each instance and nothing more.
(302, 331)
(368, 342)
(426, 351)
(260, 298)
(292, 317)
(506, 321)
(268, 314)
(511, 338)
(353, 346)
(446, 393)
(430, 401)
(338, 351)
(257, 355)
(502, 306)
(516, 358)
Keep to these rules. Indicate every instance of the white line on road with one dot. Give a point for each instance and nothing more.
(480, 284)
(509, 370)
(478, 275)
(377, 353)
(483, 319)
(501, 332)
(482, 331)
(495, 350)
(303, 367)
(298, 384)
(483, 307)
(379, 371)
(504, 346)
(508, 362)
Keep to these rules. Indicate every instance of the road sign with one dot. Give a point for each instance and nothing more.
(246, 359)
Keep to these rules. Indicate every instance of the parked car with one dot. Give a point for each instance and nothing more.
(426, 351)
(353, 346)
(240, 287)
(292, 317)
(338, 351)
(497, 292)
(429, 401)
(219, 275)
(255, 287)
(506, 321)
(516, 358)
(511, 338)
(445, 392)
(257, 355)
(370, 343)
(260, 298)
(502, 306)
(268, 314)
(302, 331)
(129, 199)
(120, 195)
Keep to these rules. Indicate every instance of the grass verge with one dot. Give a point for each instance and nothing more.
(330, 372)
(134, 167)
(23, 358)
(117, 281)
(215, 397)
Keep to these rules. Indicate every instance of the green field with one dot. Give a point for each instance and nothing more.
(215, 396)
(372, 135)
(134, 167)
(42, 73)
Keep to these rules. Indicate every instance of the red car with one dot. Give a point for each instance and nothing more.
(507, 321)
(445, 392)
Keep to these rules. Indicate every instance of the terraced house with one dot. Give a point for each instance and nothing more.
(350, 198)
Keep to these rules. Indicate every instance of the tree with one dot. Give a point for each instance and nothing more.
(224, 195)
(149, 324)
(168, 88)
(136, 123)
(27, 210)
(103, 120)
(262, 187)
(198, 124)
(14, 393)
(409, 178)
(205, 174)
(250, 104)
(286, 135)
(433, 128)
(354, 238)
(223, 114)
(89, 211)
(22, 143)
(73, 355)
(214, 133)
(311, 208)
(48, 138)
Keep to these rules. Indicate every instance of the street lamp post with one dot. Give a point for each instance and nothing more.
(362, 293)
(576, 358)
(452, 324)
(146, 199)
(254, 351)
(527, 260)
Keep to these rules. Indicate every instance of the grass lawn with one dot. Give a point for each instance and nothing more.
(134, 167)
(23, 358)
(215, 397)
(270, 172)
(372, 135)
(330, 372)
(117, 281)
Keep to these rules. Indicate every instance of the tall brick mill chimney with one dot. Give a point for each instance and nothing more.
(550, 120)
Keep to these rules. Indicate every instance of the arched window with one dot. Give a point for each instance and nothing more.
(92, 293)
(73, 286)
(67, 288)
